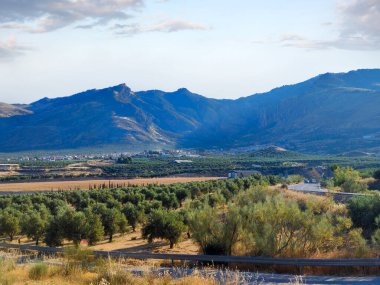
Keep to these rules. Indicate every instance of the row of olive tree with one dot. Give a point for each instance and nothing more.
(91, 224)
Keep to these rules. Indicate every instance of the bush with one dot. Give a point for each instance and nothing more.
(215, 232)
(267, 223)
(343, 174)
(376, 174)
(364, 212)
(38, 271)
(357, 243)
(77, 260)
(351, 186)
(113, 274)
(327, 183)
(294, 179)
(6, 265)
(376, 238)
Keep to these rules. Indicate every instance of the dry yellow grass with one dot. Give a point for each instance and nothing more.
(85, 184)
(100, 272)
(132, 242)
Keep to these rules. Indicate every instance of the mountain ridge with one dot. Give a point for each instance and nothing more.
(332, 112)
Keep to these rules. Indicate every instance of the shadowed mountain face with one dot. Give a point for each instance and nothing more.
(328, 113)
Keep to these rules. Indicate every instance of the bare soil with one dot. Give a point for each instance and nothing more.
(94, 183)
(133, 242)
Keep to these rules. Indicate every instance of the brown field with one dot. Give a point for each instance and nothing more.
(86, 184)
(133, 242)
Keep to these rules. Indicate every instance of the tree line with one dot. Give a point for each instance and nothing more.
(91, 215)
(229, 217)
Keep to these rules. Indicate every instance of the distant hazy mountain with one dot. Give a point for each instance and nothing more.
(328, 113)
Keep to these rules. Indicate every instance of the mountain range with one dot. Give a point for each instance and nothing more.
(329, 113)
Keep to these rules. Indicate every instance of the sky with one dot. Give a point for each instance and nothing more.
(217, 48)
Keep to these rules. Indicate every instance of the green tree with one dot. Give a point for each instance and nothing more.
(111, 221)
(181, 195)
(205, 227)
(73, 224)
(123, 224)
(133, 215)
(53, 234)
(10, 223)
(169, 201)
(124, 159)
(94, 228)
(66, 224)
(216, 232)
(34, 226)
(163, 225)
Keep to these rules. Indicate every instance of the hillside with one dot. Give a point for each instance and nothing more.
(113, 115)
(8, 110)
(329, 113)
(276, 153)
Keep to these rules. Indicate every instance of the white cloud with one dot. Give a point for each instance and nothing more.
(167, 26)
(358, 28)
(46, 15)
(9, 49)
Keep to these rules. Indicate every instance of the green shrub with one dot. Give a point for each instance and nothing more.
(376, 174)
(343, 174)
(38, 271)
(364, 212)
(376, 238)
(292, 179)
(351, 186)
(357, 243)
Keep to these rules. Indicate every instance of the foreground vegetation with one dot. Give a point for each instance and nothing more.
(80, 267)
(229, 217)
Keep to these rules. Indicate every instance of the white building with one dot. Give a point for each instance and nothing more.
(9, 167)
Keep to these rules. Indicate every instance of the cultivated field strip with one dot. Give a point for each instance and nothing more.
(19, 187)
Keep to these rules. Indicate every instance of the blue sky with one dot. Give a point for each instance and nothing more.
(220, 49)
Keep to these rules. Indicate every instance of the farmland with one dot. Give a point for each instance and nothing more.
(85, 184)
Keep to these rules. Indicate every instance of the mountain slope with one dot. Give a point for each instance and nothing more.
(328, 113)
(113, 115)
(8, 110)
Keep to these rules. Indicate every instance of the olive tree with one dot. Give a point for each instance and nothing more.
(163, 225)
